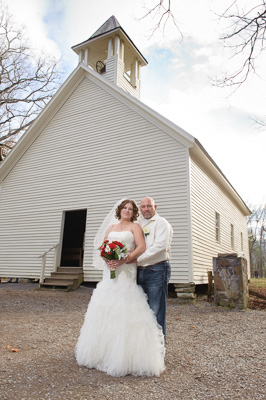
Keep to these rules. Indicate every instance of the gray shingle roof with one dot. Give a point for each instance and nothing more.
(109, 25)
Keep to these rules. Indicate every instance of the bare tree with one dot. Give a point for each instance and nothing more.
(246, 36)
(257, 240)
(27, 83)
(162, 14)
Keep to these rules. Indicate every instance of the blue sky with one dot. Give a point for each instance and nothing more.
(176, 82)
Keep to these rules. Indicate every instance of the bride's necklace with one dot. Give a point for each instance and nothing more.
(121, 226)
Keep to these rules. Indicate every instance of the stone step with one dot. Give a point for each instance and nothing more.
(186, 296)
(184, 285)
(185, 289)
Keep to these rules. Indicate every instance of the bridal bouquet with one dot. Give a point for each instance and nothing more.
(113, 251)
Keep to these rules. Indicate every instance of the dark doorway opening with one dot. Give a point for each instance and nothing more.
(73, 238)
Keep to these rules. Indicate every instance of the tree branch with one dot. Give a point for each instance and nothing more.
(248, 29)
(27, 82)
(163, 13)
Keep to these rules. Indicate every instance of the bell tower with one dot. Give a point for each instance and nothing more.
(111, 53)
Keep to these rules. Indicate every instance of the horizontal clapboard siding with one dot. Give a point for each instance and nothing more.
(124, 83)
(110, 73)
(117, 76)
(94, 151)
(206, 199)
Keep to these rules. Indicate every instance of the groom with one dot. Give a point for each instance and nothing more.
(154, 270)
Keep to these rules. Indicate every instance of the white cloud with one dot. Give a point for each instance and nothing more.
(30, 14)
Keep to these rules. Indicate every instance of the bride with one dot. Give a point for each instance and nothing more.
(120, 334)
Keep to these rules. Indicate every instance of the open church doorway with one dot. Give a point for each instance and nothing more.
(73, 238)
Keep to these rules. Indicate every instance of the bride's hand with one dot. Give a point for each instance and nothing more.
(115, 263)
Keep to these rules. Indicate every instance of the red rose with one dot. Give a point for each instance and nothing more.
(118, 244)
(112, 246)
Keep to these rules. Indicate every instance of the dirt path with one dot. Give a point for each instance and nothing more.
(211, 352)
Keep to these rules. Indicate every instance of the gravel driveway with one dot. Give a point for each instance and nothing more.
(211, 352)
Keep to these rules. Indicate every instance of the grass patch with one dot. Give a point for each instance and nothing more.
(258, 282)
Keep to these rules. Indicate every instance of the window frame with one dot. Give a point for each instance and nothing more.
(232, 233)
(217, 227)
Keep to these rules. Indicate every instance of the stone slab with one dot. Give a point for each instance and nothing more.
(185, 290)
(186, 295)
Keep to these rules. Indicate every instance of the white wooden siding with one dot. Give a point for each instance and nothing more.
(94, 151)
(110, 73)
(124, 83)
(207, 198)
(115, 69)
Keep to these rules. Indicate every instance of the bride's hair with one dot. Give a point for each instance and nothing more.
(122, 205)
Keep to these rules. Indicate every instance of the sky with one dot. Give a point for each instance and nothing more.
(177, 80)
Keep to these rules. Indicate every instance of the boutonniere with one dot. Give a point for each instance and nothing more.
(146, 231)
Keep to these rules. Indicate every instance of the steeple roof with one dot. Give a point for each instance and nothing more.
(108, 26)
(108, 29)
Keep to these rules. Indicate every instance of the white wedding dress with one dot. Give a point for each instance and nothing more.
(120, 334)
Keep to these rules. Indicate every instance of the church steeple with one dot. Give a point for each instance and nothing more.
(111, 52)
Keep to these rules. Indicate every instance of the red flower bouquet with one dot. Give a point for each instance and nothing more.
(113, 251)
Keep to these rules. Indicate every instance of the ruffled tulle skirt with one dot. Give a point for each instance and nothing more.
(120, 334)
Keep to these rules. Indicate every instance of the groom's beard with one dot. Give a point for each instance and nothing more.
(147, 215)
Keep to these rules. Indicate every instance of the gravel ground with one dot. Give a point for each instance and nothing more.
(211, 352)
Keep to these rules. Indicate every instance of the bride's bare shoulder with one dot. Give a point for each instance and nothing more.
(136, 226)
(112, 228)
(108, 231)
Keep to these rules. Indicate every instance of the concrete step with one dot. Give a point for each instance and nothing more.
(75, 270)
(64, 275)
(58, 285)
(54, 284)
(68, 278)
(56, 281)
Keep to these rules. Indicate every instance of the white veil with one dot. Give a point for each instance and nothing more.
(110, 219)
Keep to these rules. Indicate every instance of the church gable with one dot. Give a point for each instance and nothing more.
(92, 120)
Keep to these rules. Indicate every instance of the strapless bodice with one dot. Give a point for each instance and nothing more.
(126, 272)
(125, 237)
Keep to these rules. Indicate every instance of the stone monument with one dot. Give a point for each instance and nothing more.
(230, 281)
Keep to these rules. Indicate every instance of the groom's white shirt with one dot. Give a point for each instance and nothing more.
(158, 240)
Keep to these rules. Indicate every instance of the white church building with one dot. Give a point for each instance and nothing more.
(94, 143)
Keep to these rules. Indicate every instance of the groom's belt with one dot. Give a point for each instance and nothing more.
(150, 266)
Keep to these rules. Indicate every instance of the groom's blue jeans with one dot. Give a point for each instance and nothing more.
(154, 281)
